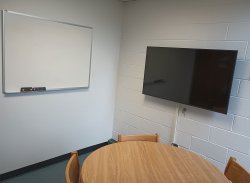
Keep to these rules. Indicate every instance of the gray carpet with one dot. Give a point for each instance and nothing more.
(50, 174)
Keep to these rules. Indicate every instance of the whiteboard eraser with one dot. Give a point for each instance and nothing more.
(26, 89)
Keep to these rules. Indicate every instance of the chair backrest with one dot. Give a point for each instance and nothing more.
(72, 171)
(139, 137)
(236, 173)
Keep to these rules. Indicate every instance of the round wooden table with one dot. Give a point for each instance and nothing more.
(147, 162)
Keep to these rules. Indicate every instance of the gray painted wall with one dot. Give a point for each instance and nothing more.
(34, 128)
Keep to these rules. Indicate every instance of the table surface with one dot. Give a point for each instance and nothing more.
(147, 162)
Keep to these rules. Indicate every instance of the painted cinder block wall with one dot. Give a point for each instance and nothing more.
(221, 24)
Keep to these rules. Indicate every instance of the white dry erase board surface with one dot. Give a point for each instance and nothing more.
(38, 52)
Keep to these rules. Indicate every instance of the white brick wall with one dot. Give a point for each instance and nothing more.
(239, 106)
(241, 126)
(214, 24)
(193, 128)
(230, 140)
(242, 70)
(244, 90)
(209, 149)
(235, 87)
(183, 139)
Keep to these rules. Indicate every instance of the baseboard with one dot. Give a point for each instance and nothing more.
(32, 167)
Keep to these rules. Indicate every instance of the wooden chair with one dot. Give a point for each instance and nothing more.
(139, 137)
(72, 172)
(236, 173)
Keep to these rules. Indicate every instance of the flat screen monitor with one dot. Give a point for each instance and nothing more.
(196, 77)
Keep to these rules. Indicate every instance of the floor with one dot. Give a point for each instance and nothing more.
(50, 174)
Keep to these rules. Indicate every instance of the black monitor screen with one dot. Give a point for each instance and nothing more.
(196, 77)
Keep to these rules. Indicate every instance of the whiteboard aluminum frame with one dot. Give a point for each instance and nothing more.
(4, 12)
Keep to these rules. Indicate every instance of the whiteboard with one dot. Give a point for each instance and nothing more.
(38, 52)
